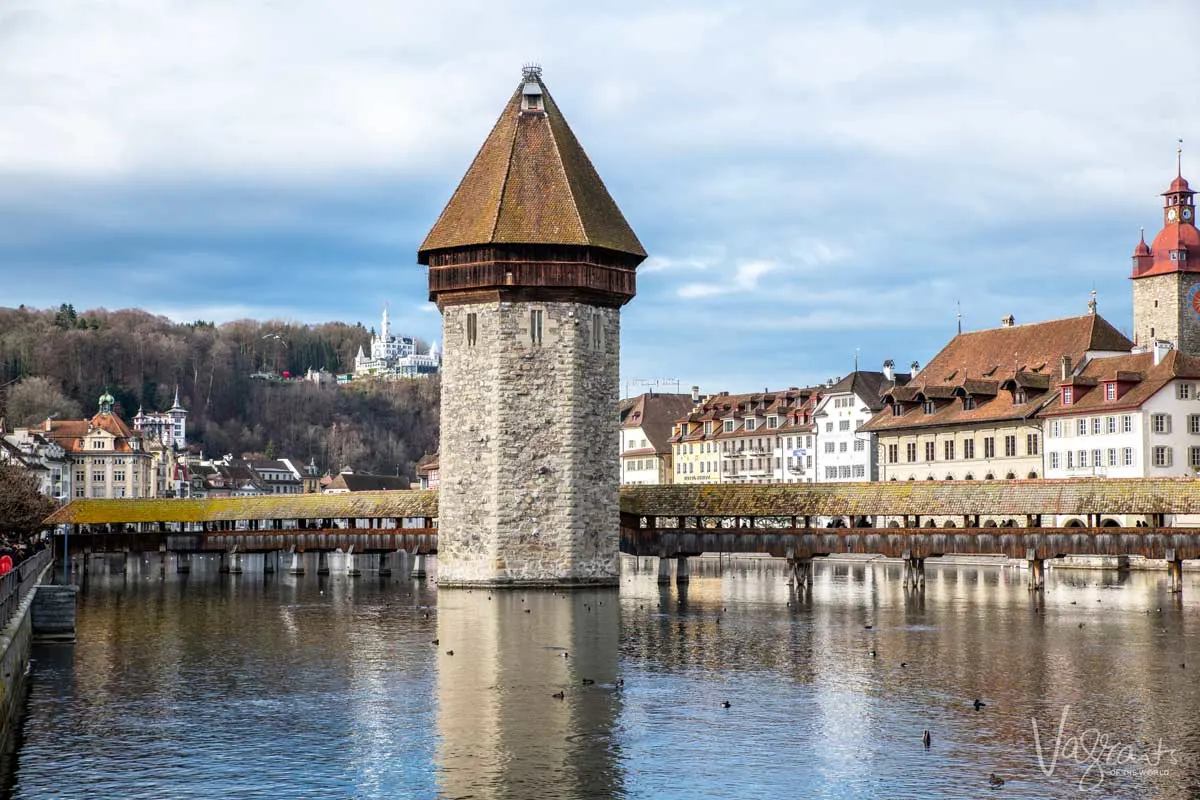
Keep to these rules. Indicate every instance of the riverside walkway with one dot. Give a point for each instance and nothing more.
(914, 520)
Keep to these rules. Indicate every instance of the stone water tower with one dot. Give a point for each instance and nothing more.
(530, 263)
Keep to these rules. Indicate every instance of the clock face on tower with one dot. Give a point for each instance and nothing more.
(1194, 300)
(1171, 215)
(1186, 214)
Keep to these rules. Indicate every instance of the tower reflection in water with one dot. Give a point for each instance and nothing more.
(501, 730)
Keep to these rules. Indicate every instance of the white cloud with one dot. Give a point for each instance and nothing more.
(795, 168)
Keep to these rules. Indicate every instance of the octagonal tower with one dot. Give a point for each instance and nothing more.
(530, 263)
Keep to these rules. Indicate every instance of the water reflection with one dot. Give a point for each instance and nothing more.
(501, 731)
(203, 685)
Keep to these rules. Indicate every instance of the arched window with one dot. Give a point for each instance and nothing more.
(989, 477)
(1010, 477)
(1033, 475)
(968, 477)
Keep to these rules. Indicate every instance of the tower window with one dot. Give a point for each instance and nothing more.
(535, 327)
(472, 329)
(597, 330)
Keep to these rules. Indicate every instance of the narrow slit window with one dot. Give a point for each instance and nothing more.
(535, 327)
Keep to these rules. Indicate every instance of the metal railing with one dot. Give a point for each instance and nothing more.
(16, 584)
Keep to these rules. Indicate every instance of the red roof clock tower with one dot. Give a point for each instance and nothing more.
(530, 263)
(1166, 274)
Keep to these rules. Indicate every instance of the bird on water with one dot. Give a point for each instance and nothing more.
(925, 739)
(559, 695)
(979, 704)
(724, 704)
(995, 780)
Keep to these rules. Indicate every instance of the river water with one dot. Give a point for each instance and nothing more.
(249, 686)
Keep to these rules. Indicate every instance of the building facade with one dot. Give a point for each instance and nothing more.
(168, 428)
(1130, 416)
(395, 356)
(42, 456)
(108, 459)
(846, 452)
(645, 438)
(971, 413)
(762, 437)
(530, 263)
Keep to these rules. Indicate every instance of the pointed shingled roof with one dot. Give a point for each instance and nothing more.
(531, 183)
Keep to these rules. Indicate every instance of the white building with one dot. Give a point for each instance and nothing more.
(843, 452)
(43, 457)
(395, 356)
(166, 427)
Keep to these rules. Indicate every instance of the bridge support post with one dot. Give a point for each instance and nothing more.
(385, 565)
(916, 571)
(269, 562)
(682, 574)
(801, 569)
(224, 566)
(183, 563)
(1037, 571)
(162, 559)
(1174, 572)
(297, 567)
(122, 563)
(235, 563)
(418, 567)
(352, 569)
(664, 571)
(323, 563)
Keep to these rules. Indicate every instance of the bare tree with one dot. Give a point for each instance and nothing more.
(34, 399)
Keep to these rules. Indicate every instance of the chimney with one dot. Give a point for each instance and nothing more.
(1007, 321)
(1066, 367)
(889, 370)
(1160, 349)
(914, 369)
(695, 394)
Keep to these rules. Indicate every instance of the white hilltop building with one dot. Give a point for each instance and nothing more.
(395, 356)
(169, 427)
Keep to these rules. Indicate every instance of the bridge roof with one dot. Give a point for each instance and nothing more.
(954, 498)
(294, 506)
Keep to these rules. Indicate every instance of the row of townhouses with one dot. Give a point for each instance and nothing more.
(1064, 398)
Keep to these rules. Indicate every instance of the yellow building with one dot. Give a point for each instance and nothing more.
(107, 457)
(970, 414)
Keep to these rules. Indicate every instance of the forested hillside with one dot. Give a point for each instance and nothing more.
(141, 358)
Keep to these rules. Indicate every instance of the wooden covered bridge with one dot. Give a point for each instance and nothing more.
(914, 520)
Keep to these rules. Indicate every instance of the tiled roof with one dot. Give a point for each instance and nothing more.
(427, 464)
(366, 482)
(282, 506)
(531, 183)
(1025, 356)
(656, 414)
(866, 385)
(69, 433)
(1000, 498)
(1138, 379)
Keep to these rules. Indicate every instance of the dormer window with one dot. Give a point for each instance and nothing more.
(531, 92)
(749, 423)
(707, 428)
(897, 410)
(729, 426)
(1068, 396)
(968, 404)
(1019, 397)
(929, 407)
(1110, 391)
(772, 422)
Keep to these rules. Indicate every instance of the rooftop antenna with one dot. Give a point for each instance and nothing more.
(959, 304)
(531, 72)
(1092, 302)
(1179, 159)
(856, 358)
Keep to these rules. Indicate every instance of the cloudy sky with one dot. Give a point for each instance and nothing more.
(811, 179)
